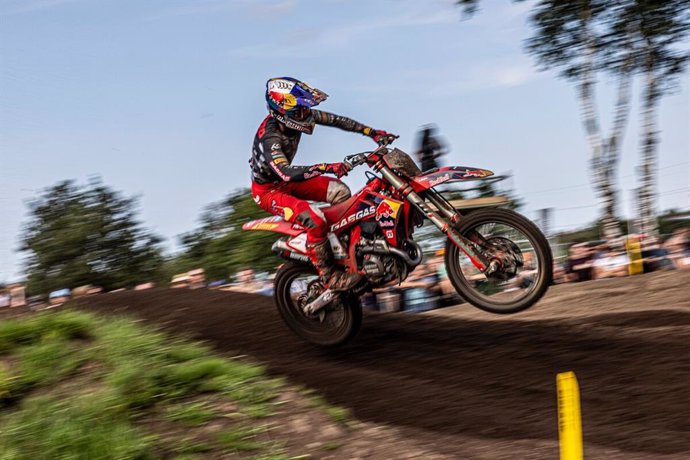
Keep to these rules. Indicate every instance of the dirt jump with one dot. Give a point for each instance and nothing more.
(470, 384)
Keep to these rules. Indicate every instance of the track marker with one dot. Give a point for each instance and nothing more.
(569, 418)
(634, 249)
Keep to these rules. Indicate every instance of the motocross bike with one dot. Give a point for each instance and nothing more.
(496, 259)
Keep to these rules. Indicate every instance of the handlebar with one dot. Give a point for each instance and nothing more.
(361, 158)
(355, 160)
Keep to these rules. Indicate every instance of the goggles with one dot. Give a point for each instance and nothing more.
(301, 114)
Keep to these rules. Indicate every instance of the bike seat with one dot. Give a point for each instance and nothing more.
(334, 212)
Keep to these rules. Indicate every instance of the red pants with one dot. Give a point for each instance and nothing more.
(288, 200)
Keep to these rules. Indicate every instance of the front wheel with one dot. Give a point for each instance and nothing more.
(297, 284)
(526, 262)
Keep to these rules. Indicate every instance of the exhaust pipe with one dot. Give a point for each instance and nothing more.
(281, 248)
(382, 247)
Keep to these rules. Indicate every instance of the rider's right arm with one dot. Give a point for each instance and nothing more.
(272, 151)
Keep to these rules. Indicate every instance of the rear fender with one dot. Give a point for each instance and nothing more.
(448, 174)
(274, 224)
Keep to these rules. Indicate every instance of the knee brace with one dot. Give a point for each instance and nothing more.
(337, 192)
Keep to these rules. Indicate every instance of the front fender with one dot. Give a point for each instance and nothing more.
(448, 174)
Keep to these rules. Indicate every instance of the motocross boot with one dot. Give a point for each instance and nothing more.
(335, 280)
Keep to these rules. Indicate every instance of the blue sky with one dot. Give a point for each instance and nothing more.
(161, 98)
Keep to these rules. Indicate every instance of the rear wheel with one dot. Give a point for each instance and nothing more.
(297, 284)
(526, 262)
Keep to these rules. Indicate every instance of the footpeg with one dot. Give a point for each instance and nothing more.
(321, 301)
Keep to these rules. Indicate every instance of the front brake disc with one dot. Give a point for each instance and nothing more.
(509, 255)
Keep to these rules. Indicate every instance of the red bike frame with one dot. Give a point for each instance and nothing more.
(411, 193)
(387, 200)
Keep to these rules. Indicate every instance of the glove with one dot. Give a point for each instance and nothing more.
(337, 169)
(382, 137)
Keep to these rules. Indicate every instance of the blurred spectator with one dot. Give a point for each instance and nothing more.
(57, 298)
(86, 290)
(5, 299)
(17, 295)
(36, 303)
(193, 279)
(144, 286)
(246, 281)
(80, 291)
(678, 247)
(559, 275)
(655, 259)
(216, 284)
(421, 290)
(197, 278)
(611, 264)
(180, 281)
(388, 299)
(265, 283)
(368, 300)
(447, 293)
(13, 295)
(430, 147)
(578, 266)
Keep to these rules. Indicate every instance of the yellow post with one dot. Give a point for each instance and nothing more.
(569, 419)
(634, 249)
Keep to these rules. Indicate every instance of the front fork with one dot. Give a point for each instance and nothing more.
(451, 215)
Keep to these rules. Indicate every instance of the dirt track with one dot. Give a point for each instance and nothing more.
(475, 385)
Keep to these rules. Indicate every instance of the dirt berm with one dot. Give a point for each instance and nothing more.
(475, 385)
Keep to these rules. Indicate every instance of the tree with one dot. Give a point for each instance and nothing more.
(221, 247)
(86, 235)
(658, 27)
(672, 220)
(581, 38)
(622, 37)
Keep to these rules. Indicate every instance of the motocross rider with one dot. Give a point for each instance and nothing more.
(282, 188)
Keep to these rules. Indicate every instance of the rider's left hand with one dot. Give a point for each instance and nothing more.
(382, 137)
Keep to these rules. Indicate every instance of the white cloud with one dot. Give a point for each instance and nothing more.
(459, 78)
(507, 76)
(491, 74)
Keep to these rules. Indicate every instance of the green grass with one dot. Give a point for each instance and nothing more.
(193, 446)
(75, 428)
(191, 414)
(336, 413)
(73, 385)
(67, 325)
(240, 439)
